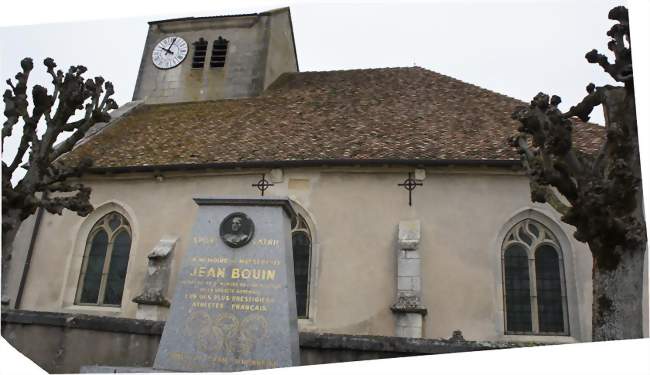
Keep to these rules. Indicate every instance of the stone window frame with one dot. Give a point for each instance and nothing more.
(308, 322)
(576, 310)
(301, 226)
(79, 237)
(103, 224)
(513, 237)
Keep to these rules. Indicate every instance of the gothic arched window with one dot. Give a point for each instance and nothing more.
(106, 257)
(301, 241)
(533, 275)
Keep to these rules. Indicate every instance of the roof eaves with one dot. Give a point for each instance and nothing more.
(503, 163)
(207, 17)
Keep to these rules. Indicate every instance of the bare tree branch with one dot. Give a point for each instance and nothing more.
(45, 180)
(603, 190)
(16, 98)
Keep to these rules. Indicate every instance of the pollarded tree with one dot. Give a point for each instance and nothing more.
(45, 182)
(603, 190)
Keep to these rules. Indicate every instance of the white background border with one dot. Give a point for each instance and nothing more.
(622, 357)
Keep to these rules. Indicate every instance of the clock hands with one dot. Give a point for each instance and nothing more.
(169, 52)
(168, 49)
(170, 46)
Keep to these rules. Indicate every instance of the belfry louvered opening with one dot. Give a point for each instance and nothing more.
(200, 50)
(219, 51)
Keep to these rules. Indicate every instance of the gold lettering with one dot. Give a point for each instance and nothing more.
(200, 240)
(256, 274)
(208, 272)
(267, 242)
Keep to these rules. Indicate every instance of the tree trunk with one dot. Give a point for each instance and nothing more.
(8, 237)
(617, 297)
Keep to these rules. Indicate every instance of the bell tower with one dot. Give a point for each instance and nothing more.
(210, 58)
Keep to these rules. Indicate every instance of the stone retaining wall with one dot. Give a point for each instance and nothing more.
(63, 343)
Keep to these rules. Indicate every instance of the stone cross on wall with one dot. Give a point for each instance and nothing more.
(408, 309)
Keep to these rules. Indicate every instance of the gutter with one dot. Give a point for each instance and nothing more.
(514, 164)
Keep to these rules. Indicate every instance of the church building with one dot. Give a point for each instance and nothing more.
(415, 232)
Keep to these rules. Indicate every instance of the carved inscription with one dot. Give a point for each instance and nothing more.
(231, 286)
(217, 291)
(232, 306)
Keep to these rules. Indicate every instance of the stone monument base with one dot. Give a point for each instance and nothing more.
(116, 370)
(234, 302)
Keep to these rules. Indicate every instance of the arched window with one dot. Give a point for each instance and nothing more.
(533, 279)
(106, 257)
(301, 241)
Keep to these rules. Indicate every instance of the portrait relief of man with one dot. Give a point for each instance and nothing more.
(236, 229)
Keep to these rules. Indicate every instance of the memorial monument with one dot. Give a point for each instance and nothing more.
(234, 306)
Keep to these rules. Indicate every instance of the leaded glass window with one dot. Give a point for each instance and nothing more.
(533, 276)
(549, 290)
(517, 289)
(105, 261)
(301, 241)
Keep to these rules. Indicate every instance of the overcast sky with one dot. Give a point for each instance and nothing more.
(515, 48)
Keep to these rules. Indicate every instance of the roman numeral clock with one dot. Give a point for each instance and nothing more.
(169, 52)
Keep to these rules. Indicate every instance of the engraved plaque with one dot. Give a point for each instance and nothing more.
(234, 303)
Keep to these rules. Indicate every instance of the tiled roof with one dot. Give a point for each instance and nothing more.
(370, 114)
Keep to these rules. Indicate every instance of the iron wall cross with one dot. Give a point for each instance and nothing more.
(409, 184)
(262, 184)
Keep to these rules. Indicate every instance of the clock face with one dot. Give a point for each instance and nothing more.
(169, 52)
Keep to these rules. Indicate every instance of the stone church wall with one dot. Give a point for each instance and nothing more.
(353, 213)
